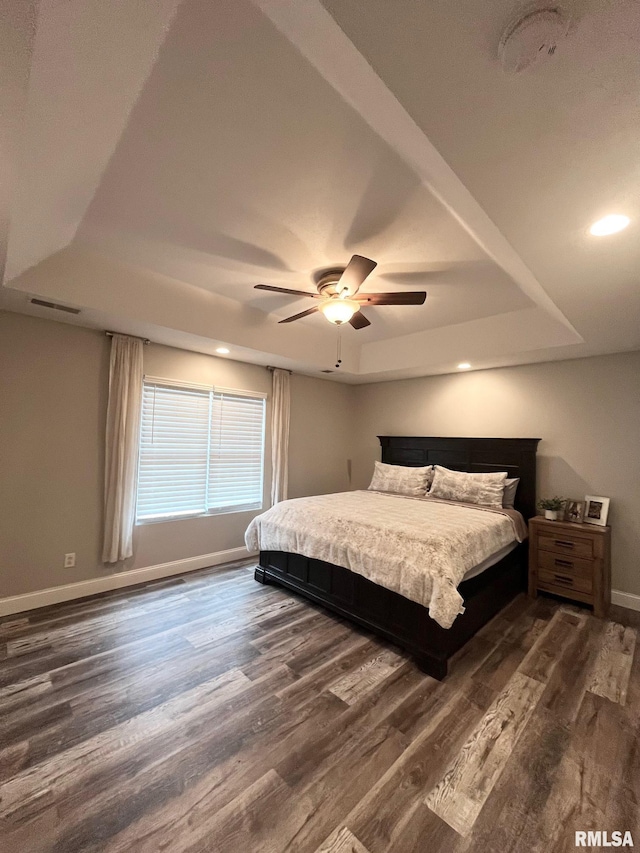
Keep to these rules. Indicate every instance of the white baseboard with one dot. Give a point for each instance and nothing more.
(625, 599)
(118, 580)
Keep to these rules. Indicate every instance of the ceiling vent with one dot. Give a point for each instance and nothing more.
(531, 39)
(55, 306)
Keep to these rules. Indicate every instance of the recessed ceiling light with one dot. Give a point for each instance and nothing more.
(222, 350)
(464, 365)
(609, 225)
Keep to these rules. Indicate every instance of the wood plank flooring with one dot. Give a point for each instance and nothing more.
(210, 713)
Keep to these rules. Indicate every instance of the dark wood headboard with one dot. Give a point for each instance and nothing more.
(516, 456)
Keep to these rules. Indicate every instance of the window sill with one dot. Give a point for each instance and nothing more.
(228, 511)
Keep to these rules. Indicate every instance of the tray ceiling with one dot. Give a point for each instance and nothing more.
(167, 156)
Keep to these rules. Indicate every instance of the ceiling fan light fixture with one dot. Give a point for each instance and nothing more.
(339, 295)
(339, 311)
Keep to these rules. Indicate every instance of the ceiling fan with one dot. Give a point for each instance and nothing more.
(341, 300)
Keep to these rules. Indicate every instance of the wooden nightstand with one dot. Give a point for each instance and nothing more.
(573, 560)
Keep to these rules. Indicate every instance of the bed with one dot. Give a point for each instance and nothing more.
(386, 611)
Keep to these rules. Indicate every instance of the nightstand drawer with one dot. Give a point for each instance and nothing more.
(555, 580)
(566, 545)
(564, 564)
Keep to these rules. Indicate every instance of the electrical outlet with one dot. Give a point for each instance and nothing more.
(69, 561)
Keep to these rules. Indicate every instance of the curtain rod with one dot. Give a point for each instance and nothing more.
(271, 369)
(145, 341)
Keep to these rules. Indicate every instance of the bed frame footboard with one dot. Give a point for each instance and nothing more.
(388, 614)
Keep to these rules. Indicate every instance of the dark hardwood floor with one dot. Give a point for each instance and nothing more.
(210, 713)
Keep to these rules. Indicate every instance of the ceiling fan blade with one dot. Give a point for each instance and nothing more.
(409, 297)
(359, 321)
(299, 316)
(286, 290)
(355, 273)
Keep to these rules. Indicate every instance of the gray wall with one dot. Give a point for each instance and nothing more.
(322, 419)
(586, 411)
(53, 397)
(53, 380)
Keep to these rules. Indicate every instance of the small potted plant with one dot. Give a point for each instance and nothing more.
(552, 507)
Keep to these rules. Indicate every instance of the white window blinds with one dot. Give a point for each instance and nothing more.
(236, 451)
(201, 451)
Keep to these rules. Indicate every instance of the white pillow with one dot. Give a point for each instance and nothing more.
(485, 489)
(401, 480)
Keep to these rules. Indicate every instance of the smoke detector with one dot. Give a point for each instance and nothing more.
(532, 39)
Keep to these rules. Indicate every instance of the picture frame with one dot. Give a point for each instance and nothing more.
(596, 510)
(574, 511)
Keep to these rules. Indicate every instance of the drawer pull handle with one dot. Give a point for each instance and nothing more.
(562, 544)
(564, 579)
(567, 563)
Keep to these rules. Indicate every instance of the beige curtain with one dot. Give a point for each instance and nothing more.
(122, 445)
(280, 417)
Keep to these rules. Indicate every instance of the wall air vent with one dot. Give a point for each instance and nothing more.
(44, 304)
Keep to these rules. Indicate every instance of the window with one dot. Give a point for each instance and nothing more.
(201, 451)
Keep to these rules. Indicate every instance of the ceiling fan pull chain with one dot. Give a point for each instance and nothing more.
(339, 355)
